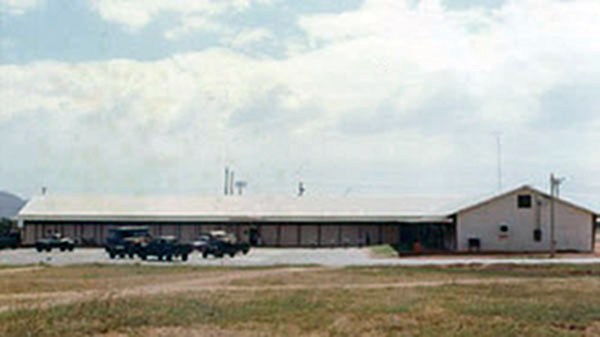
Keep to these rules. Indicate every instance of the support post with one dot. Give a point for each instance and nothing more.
(552, 238)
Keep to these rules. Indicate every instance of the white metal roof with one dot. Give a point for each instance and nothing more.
(477, 202)
(226, 208)
(252, 208)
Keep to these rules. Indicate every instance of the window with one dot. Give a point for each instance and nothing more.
(524, 201)
(504, 228)
(537, 235)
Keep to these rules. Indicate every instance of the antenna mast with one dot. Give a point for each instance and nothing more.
(499, 158)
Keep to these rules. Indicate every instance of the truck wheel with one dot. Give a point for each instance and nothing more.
(111, 255)
(245, 251)
(131, 255)
(63, 248)
(232, 254)
(143, 257)
(169, 257)
(205, 255)
(48, 249)
(184, 257)
(39, 249)
(71, 248)
(160, 257)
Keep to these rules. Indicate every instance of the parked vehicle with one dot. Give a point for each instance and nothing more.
(10, 240)
(124, 241)
(222, 243)
(164, 247)
(56, 240)
(204, 239)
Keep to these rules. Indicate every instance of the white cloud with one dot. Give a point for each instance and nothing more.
(135, 14)
(250, 37)
(414, 91)
(192, 24)
(18, 7)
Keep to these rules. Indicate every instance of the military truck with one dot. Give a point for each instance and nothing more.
(124, 241)
(56, 240)
(164, 247)
(10, 240)
(221, 243)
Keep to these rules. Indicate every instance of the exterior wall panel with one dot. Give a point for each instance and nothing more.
(188, 233)
(28, 235)
(330, 235)
(369, 234)
(289, 235)
(268, 234)
(310, 235)
(350, 235)
(390, 234)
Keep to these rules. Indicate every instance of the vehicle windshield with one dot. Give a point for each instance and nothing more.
(130, 233)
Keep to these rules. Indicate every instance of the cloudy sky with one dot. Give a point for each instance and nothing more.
(353, 97)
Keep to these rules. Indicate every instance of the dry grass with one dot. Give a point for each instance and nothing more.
(97, 277)
(383, 251)
(547, 301)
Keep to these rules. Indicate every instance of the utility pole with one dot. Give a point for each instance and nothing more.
(499, 158)
(226, 188)
(240, 186)
(554, 193)
(301, 189)
(231, 182)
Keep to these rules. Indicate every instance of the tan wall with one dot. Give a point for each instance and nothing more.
(268, 235)
(330, 235)
(573, 226)
(350, 235)
(188, 233)
(89, 232)
(244, 233)
(390, 234)
(28, 235)
(69, 230)
(169, 229)
(370, 231)
(309, 235)
(289, 235)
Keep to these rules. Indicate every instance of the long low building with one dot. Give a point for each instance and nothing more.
(518, 220)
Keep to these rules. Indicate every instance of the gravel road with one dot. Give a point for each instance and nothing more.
(272, 256)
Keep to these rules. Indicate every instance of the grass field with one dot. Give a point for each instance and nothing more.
(96, 300)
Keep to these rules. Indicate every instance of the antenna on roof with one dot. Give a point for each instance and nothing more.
(226, 188)
(240, 186)
(231, 182)
(499, 157)
(301, 189)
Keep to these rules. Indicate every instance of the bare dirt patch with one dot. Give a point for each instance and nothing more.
(165, 286)
(198, 331)
(10, 271)
(223, 283)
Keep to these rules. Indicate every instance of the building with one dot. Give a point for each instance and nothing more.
(518, 220)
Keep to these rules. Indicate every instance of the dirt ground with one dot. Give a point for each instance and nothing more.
(116, 301)
(226, 281)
